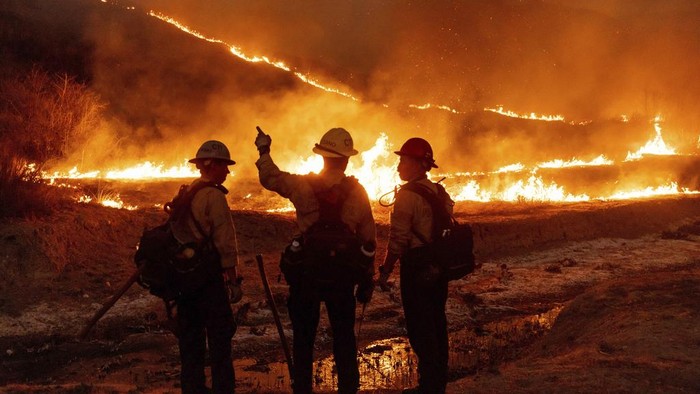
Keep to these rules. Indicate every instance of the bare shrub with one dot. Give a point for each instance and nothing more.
(42, 117)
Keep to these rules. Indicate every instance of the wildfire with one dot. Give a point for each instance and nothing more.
(656, 146)
(517, 167)
(377, 174)
(535, 189)
(377, 168)
(110, 200)
(664, 190)
(558, 163)
(533, 116)
(436, 106)
(143, 171)
(236, 51)
(532, 189)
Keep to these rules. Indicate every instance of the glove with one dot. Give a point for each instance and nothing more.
(364, 291)
(262, 141)
(235, 292)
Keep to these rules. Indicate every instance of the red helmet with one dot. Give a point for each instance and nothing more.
(418, 148)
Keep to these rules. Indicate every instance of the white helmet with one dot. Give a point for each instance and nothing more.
(213, 150)
(336, 142)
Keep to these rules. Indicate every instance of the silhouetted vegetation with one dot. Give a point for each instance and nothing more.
(42, 116)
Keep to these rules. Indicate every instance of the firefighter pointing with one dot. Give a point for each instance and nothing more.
(333, 253)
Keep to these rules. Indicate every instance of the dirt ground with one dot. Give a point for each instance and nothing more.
(598, 296)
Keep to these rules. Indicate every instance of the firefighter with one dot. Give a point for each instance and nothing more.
(204, 316)
(423, 286)
(329, 269)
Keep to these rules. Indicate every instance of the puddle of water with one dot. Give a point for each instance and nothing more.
(391, 364)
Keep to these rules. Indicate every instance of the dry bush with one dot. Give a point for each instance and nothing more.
(42, 117)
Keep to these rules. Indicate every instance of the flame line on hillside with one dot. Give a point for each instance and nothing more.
(236, 51)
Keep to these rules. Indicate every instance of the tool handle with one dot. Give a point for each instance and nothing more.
(109, 304)
(275, 314)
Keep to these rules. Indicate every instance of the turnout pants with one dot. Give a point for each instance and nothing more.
(205, 316)
(426, 324)
(304, 310)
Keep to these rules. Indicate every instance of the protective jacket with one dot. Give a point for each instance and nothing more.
(212, 213)
(356, 212)
(412, 214)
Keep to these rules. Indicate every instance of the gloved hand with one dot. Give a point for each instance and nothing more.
(364, 291)
(262, 141)
(235, 292)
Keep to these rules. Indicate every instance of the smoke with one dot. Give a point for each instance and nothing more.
(589, 61)
(586, 60)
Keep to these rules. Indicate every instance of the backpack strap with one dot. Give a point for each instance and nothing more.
(183, 203)
(436, 204)
(332, 199)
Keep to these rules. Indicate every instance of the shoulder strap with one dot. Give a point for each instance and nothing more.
(437, 205)
(184, 202)
(331, 199)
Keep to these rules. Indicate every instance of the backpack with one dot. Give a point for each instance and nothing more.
(330, 246)
(453, 242)
(169, 268)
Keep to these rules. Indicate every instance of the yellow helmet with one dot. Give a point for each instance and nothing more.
(213, 150)
(337, 142)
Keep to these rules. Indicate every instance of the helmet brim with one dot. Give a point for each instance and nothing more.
(325, 152)
(228, 162)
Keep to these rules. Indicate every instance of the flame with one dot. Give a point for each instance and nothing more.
(657, 146)
(535, 189)
(471, 192)
(111, 200)
(436, 106)
(236, 51)
(288, 207)
(663, 190)
(145, 170)
(255, 59)
(558, 163)
(517, 167)
(533, 116)
(377, 173)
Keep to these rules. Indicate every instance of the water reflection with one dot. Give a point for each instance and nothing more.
(391, 364)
